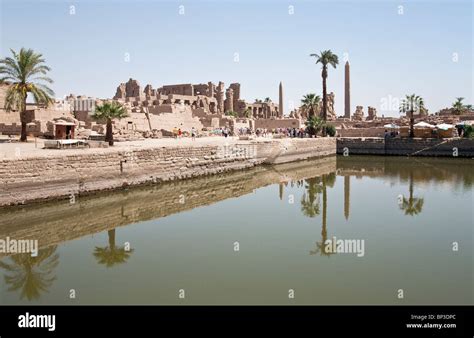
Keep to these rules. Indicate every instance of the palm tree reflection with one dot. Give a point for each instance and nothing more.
(327, 180)
(112, 255)
(31, 275)
(310, 206)
(411, 205)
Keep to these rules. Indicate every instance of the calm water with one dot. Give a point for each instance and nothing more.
(183, 235)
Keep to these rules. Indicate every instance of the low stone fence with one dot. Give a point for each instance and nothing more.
(64, 175)
(361, 132)
(454, 147)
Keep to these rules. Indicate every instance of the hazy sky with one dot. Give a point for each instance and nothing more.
(424, 47)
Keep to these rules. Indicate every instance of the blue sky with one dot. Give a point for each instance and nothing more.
(391, 54)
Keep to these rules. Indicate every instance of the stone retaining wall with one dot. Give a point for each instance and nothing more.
(31, 179)
(406, 146)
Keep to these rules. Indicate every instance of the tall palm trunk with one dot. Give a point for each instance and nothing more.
(412, 123)
(109, 136)
(324, 75)
(23, 137)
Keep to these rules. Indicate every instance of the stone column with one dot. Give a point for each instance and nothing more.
(220, 97)
(229, 100)
(236, 94)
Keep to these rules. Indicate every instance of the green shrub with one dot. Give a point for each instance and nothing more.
(330, 130)
(469, 131)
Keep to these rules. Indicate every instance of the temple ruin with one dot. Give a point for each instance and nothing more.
(205, 107)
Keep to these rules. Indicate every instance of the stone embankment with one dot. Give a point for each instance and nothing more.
(62, 175)
(406, 147)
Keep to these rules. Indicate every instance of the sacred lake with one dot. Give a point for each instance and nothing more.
(256, 236)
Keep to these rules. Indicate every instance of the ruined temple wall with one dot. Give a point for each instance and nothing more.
(179, 89)
(10, 123)
(3, 94)
(179, 119)
(164, 117)
(134, 121)
(277, 123)
(9, 117)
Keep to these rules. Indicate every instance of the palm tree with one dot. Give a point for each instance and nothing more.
(468, 107)
(268, 100)
(111, 255)
(108, 111)
(458, 106)
(409, 105)
(314, 124)
(309, 103)
(31, 275)
(325, 58)
(411, 205)
(24, 73)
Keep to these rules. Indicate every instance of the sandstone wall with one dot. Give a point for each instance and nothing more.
(277, 123)
(430, 147)
(406, 146)
(10, 123)
(361, 146)
(294, 149)
(26, 179)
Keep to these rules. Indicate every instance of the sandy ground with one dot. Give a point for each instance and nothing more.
(35, 149)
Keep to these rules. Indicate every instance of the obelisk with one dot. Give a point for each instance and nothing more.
(347, 92)
(280, 101)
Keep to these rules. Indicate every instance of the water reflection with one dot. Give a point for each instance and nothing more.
(347, 196)
(112, 255)
(411, 205)
(315, 184)
(310, 200)
(310, 206)
(31, 276)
